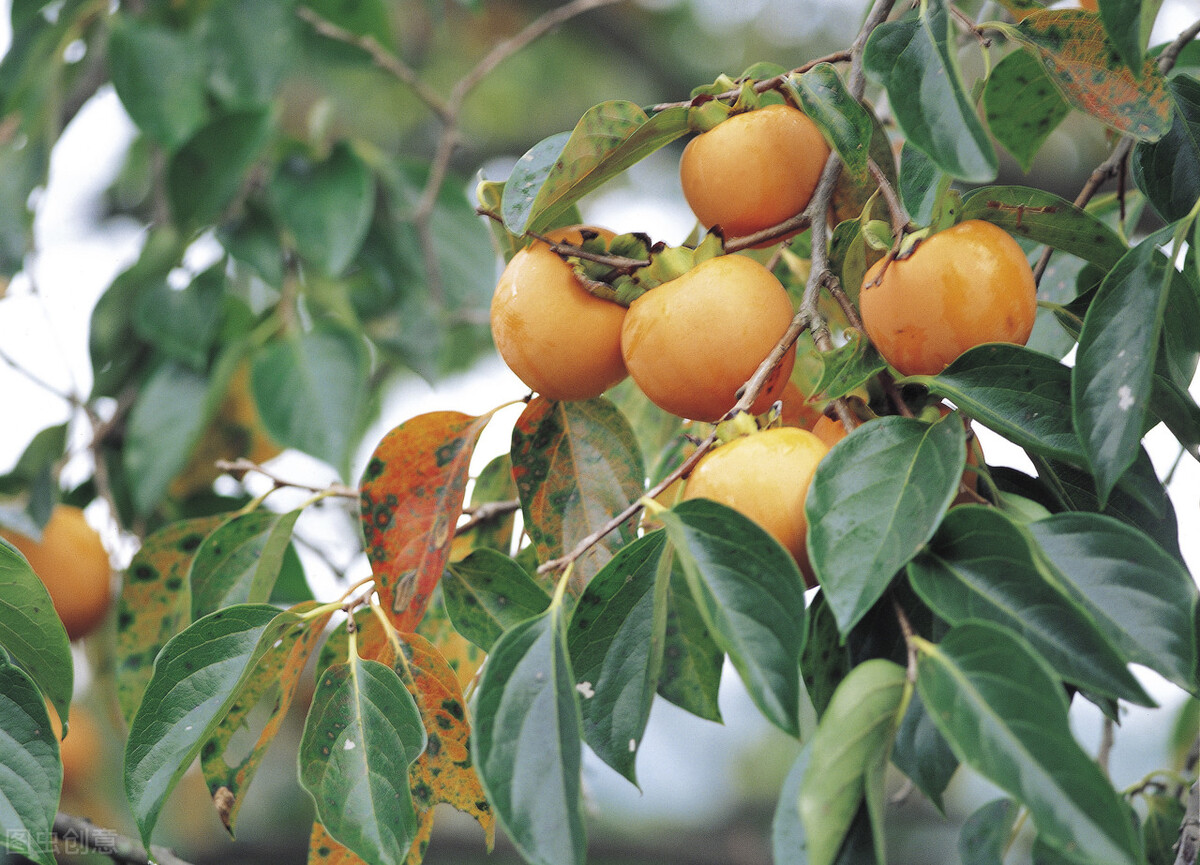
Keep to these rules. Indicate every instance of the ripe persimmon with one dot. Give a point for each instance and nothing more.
(960, 288)
(559, 339)
(829, 430)
(753, 170)
(72, 563)
(796, 409)
(764, 476)
(693, 341)
(82, 750)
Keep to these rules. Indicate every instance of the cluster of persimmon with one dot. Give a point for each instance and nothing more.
(692, 342)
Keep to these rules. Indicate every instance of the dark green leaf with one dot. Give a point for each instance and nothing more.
(253, 240)
(239, 562)
(1168, 170)
(1179, 354)
(615, 638)
(923, 754)
(251, 46)
(1160, 827)
(692, 661)
(848, 366)
(843, 120)
(849, 751)
(913, 58)
(205, 175)
(487, 593)
(1111, 381)
(526, 741)
(196, 678)
(1046, 218)
(1128, 25)
(825, 660)
(981, 565)
(874, 501)
(327, 206)
(1005, 716)
(1016, 392)
(31, 632)
(362, 733)
(1022, 106)
(1144, 600)
(310, 389)
(919, 183)
(1175, 407)
(159, 75)
(183, 323)
(985, 834)
(751, 595)
(30, 770)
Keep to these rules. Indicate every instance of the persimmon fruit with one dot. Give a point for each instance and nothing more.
(796, 409)
(72, 563)
(81, 751)
(753, 170)
(765, 477)
(962, 287)
(559, 339)
(693, 341)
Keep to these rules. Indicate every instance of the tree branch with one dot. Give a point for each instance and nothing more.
(110, 843)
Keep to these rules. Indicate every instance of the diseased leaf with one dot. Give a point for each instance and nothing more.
(155, 603)
(526, 742)
(1128, 26)
(981, 565)
(1168, 170)
(411, 497)
(751, 596)
(31, 772)
(1006, 717)
(1022, 106)
(31, 632)
(615, 639)
(576, 464)
(1080, 60)
(487, 593)
(874, 501)
(240, 560)
(913, 58)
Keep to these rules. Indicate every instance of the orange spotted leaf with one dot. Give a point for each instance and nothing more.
(276, 676)
(1086, 67)
(155, 603)
(411, 497)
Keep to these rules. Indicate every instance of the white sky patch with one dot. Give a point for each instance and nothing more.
(586, 689)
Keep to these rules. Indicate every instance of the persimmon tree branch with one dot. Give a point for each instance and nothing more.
(764, 85)
(108, 842)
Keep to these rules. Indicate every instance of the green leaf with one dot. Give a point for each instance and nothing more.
(205, 175)
(362, 733)
(751, 596)
(493, 484)
(848, 366)
(919, 184)
(843, 120)
(981, 565)
(1111, 381)
(825, 660)
(913, 58)
(1128, 26)
(362, 17)
(251, 47)
(1168, 170)
(1175, 407)
(1022, 106)
(252, 239)
(239, 562)
(158, 74)
(167, 419)
(1160, 828)
(848, 753)
(874, 501)
(692, 661)
(327, 206)
(560, 170)
(1081, 61)
(1005, 716)
(788, 842)
(1045, 218)
(922, 753)
(196, 678)
(985, 834)
(1144, 599)
(576, 464)
(526, 742)
(487, 593)
(183, 323)
(31, 632)
(30, 769)
(615, 639)
(310, 389)
(1016, 392)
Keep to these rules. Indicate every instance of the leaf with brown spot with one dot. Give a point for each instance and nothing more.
(463, 656)
(444, 771)
(155, 603)
(1085, 65)
(277, 672)
(411, 497)
(576, 464)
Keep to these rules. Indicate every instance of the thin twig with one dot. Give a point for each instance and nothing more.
(906, 629)
(1107, 739)
(761, 86)
(110, 843)
(485, 513)
(899, 215)
(241, 465)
